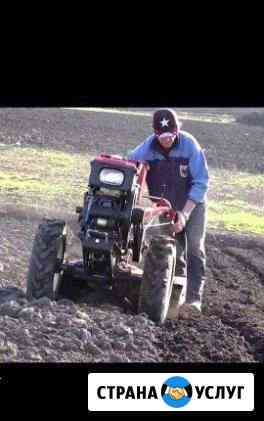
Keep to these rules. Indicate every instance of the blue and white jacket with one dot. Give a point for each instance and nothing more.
(177, 175)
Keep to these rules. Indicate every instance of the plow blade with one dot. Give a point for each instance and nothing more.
(178, 296)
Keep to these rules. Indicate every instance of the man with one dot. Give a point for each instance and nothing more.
(179, 172)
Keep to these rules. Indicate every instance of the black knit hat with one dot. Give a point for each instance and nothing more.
(165, 120)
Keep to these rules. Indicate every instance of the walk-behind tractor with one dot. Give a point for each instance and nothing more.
(114, 226)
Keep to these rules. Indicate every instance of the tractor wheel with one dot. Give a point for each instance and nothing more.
(138, 239)
(157, 283)
(45, 274)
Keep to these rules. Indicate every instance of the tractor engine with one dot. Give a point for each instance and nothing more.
(110, 222)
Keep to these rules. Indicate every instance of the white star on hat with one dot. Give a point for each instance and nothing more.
(164, 122)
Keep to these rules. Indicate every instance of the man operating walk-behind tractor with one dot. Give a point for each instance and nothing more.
(179, 173)
(115, 227)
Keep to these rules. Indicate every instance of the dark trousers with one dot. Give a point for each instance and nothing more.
(191, 257)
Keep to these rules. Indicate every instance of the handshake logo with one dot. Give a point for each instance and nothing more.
(176, 392)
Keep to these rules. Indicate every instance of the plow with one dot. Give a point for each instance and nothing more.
(127, 247)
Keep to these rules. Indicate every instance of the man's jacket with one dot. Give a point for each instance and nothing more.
(177, 175)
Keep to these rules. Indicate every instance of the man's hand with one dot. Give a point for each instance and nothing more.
(180, 224)
(183, 217)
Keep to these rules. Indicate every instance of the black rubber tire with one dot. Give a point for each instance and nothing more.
(157, 283)
(138, 239)
(46, 259)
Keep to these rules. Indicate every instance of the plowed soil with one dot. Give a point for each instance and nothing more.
(100, 327)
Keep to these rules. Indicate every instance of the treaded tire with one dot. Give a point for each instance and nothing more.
(46, 259)
(157, 283)
(138, 239)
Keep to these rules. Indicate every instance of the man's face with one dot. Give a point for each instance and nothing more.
(166, 140)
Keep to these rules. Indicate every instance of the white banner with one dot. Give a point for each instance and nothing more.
(171, 392)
